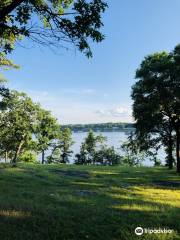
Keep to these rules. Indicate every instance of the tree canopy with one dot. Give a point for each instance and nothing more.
(94, 151)
(156, 97)
(51, 23)
(17, 122)
(61, 147)
(46, 130)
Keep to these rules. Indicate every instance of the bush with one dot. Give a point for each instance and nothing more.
(28, 156)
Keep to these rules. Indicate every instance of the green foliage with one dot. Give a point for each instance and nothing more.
(55, 156)
(81, 158)
(61, 150)
(46, 130)
(157, 162)
(131, 158)
(5, 64)
(58, 23)
(16, 122)
(93, 151)
(88, 148)
(135, 152)
(25, 126)
(28, 156)
(107, 156)
(156, 97)
(100, 127)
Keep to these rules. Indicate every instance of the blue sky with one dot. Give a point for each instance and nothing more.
(81, 90)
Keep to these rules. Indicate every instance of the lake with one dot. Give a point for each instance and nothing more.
(114, 138)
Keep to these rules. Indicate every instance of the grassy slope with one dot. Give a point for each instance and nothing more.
(87, 202)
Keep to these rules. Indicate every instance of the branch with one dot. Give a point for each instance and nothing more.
(8, 9)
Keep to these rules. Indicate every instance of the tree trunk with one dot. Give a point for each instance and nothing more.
(6, 156)
(170, 153)
(14, 160)
(43, 156)
(178, 149)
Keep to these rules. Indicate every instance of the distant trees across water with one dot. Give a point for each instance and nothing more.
(27, 129)
(100, 127)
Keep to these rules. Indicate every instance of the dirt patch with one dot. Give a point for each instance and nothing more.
(40, 176)
(85, 193)
(71, 173)
(167, 184)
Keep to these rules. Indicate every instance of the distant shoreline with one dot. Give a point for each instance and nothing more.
(101, 127)
(105, 130)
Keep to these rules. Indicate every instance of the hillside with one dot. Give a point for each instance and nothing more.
(81, 202)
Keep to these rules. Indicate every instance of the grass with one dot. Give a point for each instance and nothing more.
(59, 202)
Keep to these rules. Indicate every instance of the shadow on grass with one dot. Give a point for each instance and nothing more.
(84, 219)
(71, 207)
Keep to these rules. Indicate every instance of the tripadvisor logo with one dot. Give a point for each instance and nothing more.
(139, 231)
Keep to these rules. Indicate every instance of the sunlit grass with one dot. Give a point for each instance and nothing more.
(66, 202)
(164, 196)
(14, 214)
(136, 207)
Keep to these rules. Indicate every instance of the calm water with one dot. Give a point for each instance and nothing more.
(113, 139)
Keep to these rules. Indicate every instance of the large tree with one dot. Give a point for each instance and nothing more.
(25, 127)
(46, 130)
(17, 124)
(51, 22)
(156, 97)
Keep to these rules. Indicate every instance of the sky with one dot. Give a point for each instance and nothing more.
(81, 90)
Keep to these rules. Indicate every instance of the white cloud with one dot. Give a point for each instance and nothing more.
(120, 111)
(74, 110)
(117, 112)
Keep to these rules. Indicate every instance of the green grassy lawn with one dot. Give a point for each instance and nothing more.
(58, 202)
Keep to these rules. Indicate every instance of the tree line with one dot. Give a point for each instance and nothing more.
(25, 125)
(27, 130)
(100, 127)
(156, 110)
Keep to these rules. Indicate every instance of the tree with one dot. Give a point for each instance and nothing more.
(91, 145)
(107, 156)
(26, 128)
(89, 148)
(156, 97)
(133, 155)
(5, 64)
(62, 147)
(46, 131)
(51, 22)
(28, 156)
(17, 123)
(94, 151)
(136, 150)
(54, 157)
(81, 158)
(65, 144)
